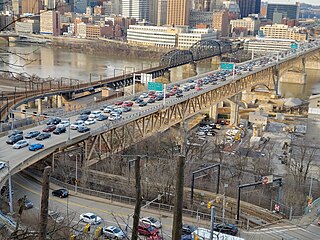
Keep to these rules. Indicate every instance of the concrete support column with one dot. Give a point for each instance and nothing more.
(294, 77)
(189, 70)
(59, 102)
(234, 113)
(39, 106)
(213, 112)
(50, 102)
(31, 104)
(216, 60)
(167, 74)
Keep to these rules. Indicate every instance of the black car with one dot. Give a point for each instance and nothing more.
(102, 117)
(61, 193)
(82, 129)
(142, 104)
(126, 109)
(59, 130)
(83, 117)
(159, 98)
(28, 204)
(134, 98)
(188, 229)
(54, 121)
(32, 134)
(15, 132)
(179, 95)
(151, 100)
(43, 136)
(230, 229)
(85, 112)
(139, 100)
(14, 139)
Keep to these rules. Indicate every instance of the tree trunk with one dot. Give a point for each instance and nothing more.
(137, 208)
(44, 203)
(178, 202)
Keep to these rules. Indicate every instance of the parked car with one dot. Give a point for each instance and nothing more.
(113, 232)
(61, 193)
(35, 146)
(102, 117)
(63, 124)
(83, 129)
(49, 128)
(95, 114)
(76, 124)
(20, 144)
(15, 132)
(230, 229)
(43, 136)
(2, 165)
(188, 229)
(14, 139)
(27, 204)
(151, 221)
(53, 121)
(90, 218)
(59, 130)
(32, 134)
(146, 229)
(90, 121)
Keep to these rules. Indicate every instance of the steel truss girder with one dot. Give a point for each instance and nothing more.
(119, 138)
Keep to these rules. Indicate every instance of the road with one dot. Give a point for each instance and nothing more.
(20, 159)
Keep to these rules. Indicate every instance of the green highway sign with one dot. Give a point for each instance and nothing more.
(155, 86)
(226, 66)
(294, 46)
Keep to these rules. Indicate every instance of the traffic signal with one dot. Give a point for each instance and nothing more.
(209, 205)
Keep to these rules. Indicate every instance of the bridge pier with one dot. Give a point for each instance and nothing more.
(31, 104)
(59, 101)
(213, 112)
(298, 77)
(216, 60)
(39, 106)
(167, 75)
(234, 109)
(313, 64)
(189, 70)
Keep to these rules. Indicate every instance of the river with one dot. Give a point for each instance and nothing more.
(46, 62)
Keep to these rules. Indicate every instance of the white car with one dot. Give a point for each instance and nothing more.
(63, 124)
(144, 95)
(95, 114)
(90, 218)
(2, 165)
(108, 109)
(90, 121)
(20, 144)
(113, 232)
(151, 221)
(75, 125)
(114, 117)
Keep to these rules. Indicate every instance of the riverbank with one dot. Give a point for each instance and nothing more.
(104, 47)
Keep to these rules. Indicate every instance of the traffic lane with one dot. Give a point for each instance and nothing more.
(75, 205)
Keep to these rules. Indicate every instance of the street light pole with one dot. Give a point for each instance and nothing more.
(76, 182)
(10, 188)
(69, 130)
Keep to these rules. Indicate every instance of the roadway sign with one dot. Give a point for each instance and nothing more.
(294, 46)
(267, 179)
(155, 86)
(226, 66)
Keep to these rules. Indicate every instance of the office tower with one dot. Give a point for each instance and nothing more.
(16, 7)
(249, 7)
(153, 11)
(220, 21)
(138, 9)
(178, 12)
(201, 5)
(31, 6)
(80, 6)
(288, 11)
(50, 22)
(116, 7)
(162, 12)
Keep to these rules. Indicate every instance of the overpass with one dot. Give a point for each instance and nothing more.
(113, 136)
(36, 88)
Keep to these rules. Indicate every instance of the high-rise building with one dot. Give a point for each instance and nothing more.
(116, 7)
(248, 7)
(80, 6)
(178, 12)
(153, 11)
(250, 24)
(31, 6)
(50, 22)
(201, 5)
(162, 12)
(16, 7)
(138, 9)
(289, 11)
(220, 21)
(283, 32)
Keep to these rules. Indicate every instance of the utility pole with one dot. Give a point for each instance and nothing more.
(44, 204)
(178, 201)
(137, 208)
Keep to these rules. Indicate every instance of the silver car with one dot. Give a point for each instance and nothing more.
(20, 144)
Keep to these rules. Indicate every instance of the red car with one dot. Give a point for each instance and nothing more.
(155, 237)
(118, 103)
(127, 104)
(199, 88)
(147, 230)
(49, 128)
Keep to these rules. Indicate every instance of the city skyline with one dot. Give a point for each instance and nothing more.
(313, 2)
